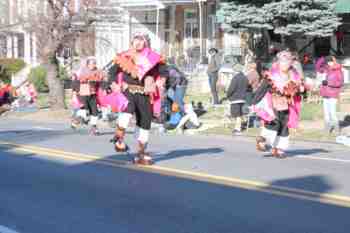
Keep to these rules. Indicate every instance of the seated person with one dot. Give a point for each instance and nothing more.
(4, 94)
(189, 120)
(175, 117)
(26, 97)
(5, 97)
(182, 120)
(199, 108)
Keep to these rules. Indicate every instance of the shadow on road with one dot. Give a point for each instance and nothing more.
(33, 135)
(128, 157)
(314, 183)
(297, 152)
(186, 152)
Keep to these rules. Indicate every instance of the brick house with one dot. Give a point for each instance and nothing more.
(179, 29)
(17, 41)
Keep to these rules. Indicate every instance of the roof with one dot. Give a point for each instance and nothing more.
(342, 7)
(135, 3)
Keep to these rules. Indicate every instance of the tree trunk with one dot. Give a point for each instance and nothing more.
(56, 91)
(291, 43)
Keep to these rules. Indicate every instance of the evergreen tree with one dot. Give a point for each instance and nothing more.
(285, 17)
(244, 14)
(304, 17)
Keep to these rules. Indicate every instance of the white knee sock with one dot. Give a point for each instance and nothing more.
(93, 120)
(269, 135)
(282, 143)
(82, 113)
(143, 136)
(124, 120)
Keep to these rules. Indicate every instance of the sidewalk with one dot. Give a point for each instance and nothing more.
(308, 130)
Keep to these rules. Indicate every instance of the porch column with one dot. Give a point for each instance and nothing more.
(9, 46)
(157, 23)
(200, 31)
(25, 8)
(11, 12)
(157, 30)
(27, 46)
(126, 31)
(172, 32)
(130, 29)
(34, 50)
(205, 35)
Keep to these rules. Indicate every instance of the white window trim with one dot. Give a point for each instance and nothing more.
(76, 6)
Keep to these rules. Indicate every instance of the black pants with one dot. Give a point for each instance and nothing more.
(90, 104)
(237, 110)
(140, 105)
(213, 79)
(280, 124)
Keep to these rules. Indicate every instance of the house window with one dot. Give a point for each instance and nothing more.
(191, 24)
(3, 46)
(20, 45)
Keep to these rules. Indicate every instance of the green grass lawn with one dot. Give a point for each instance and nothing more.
(43, 100)
(311, 112)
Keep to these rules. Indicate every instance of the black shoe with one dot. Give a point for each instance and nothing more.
(121, 147)
(236, 132)
(200, 125)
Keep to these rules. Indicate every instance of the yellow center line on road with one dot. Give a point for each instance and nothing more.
(295, 193)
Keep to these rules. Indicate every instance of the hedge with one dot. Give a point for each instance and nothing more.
(37, 76)
(9, 66)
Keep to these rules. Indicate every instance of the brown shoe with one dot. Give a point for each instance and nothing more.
(278, 153)
(74, 125)
(261, 144)
(145, 161)
(120, 146)
(118, 140)
(143, 158)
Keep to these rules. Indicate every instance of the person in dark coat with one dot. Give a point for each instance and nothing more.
(213, 74)
(236, 94)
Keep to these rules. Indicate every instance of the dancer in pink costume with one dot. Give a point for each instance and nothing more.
(278, 104)
(136, 72)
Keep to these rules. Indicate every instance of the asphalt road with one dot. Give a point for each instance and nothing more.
(40, 193)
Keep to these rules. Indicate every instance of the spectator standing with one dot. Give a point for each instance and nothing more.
(236, 94)
(340, 42)
(330, 91)
(213, 70)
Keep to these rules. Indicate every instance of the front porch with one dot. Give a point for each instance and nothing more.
(17, 43)
(183, 31)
